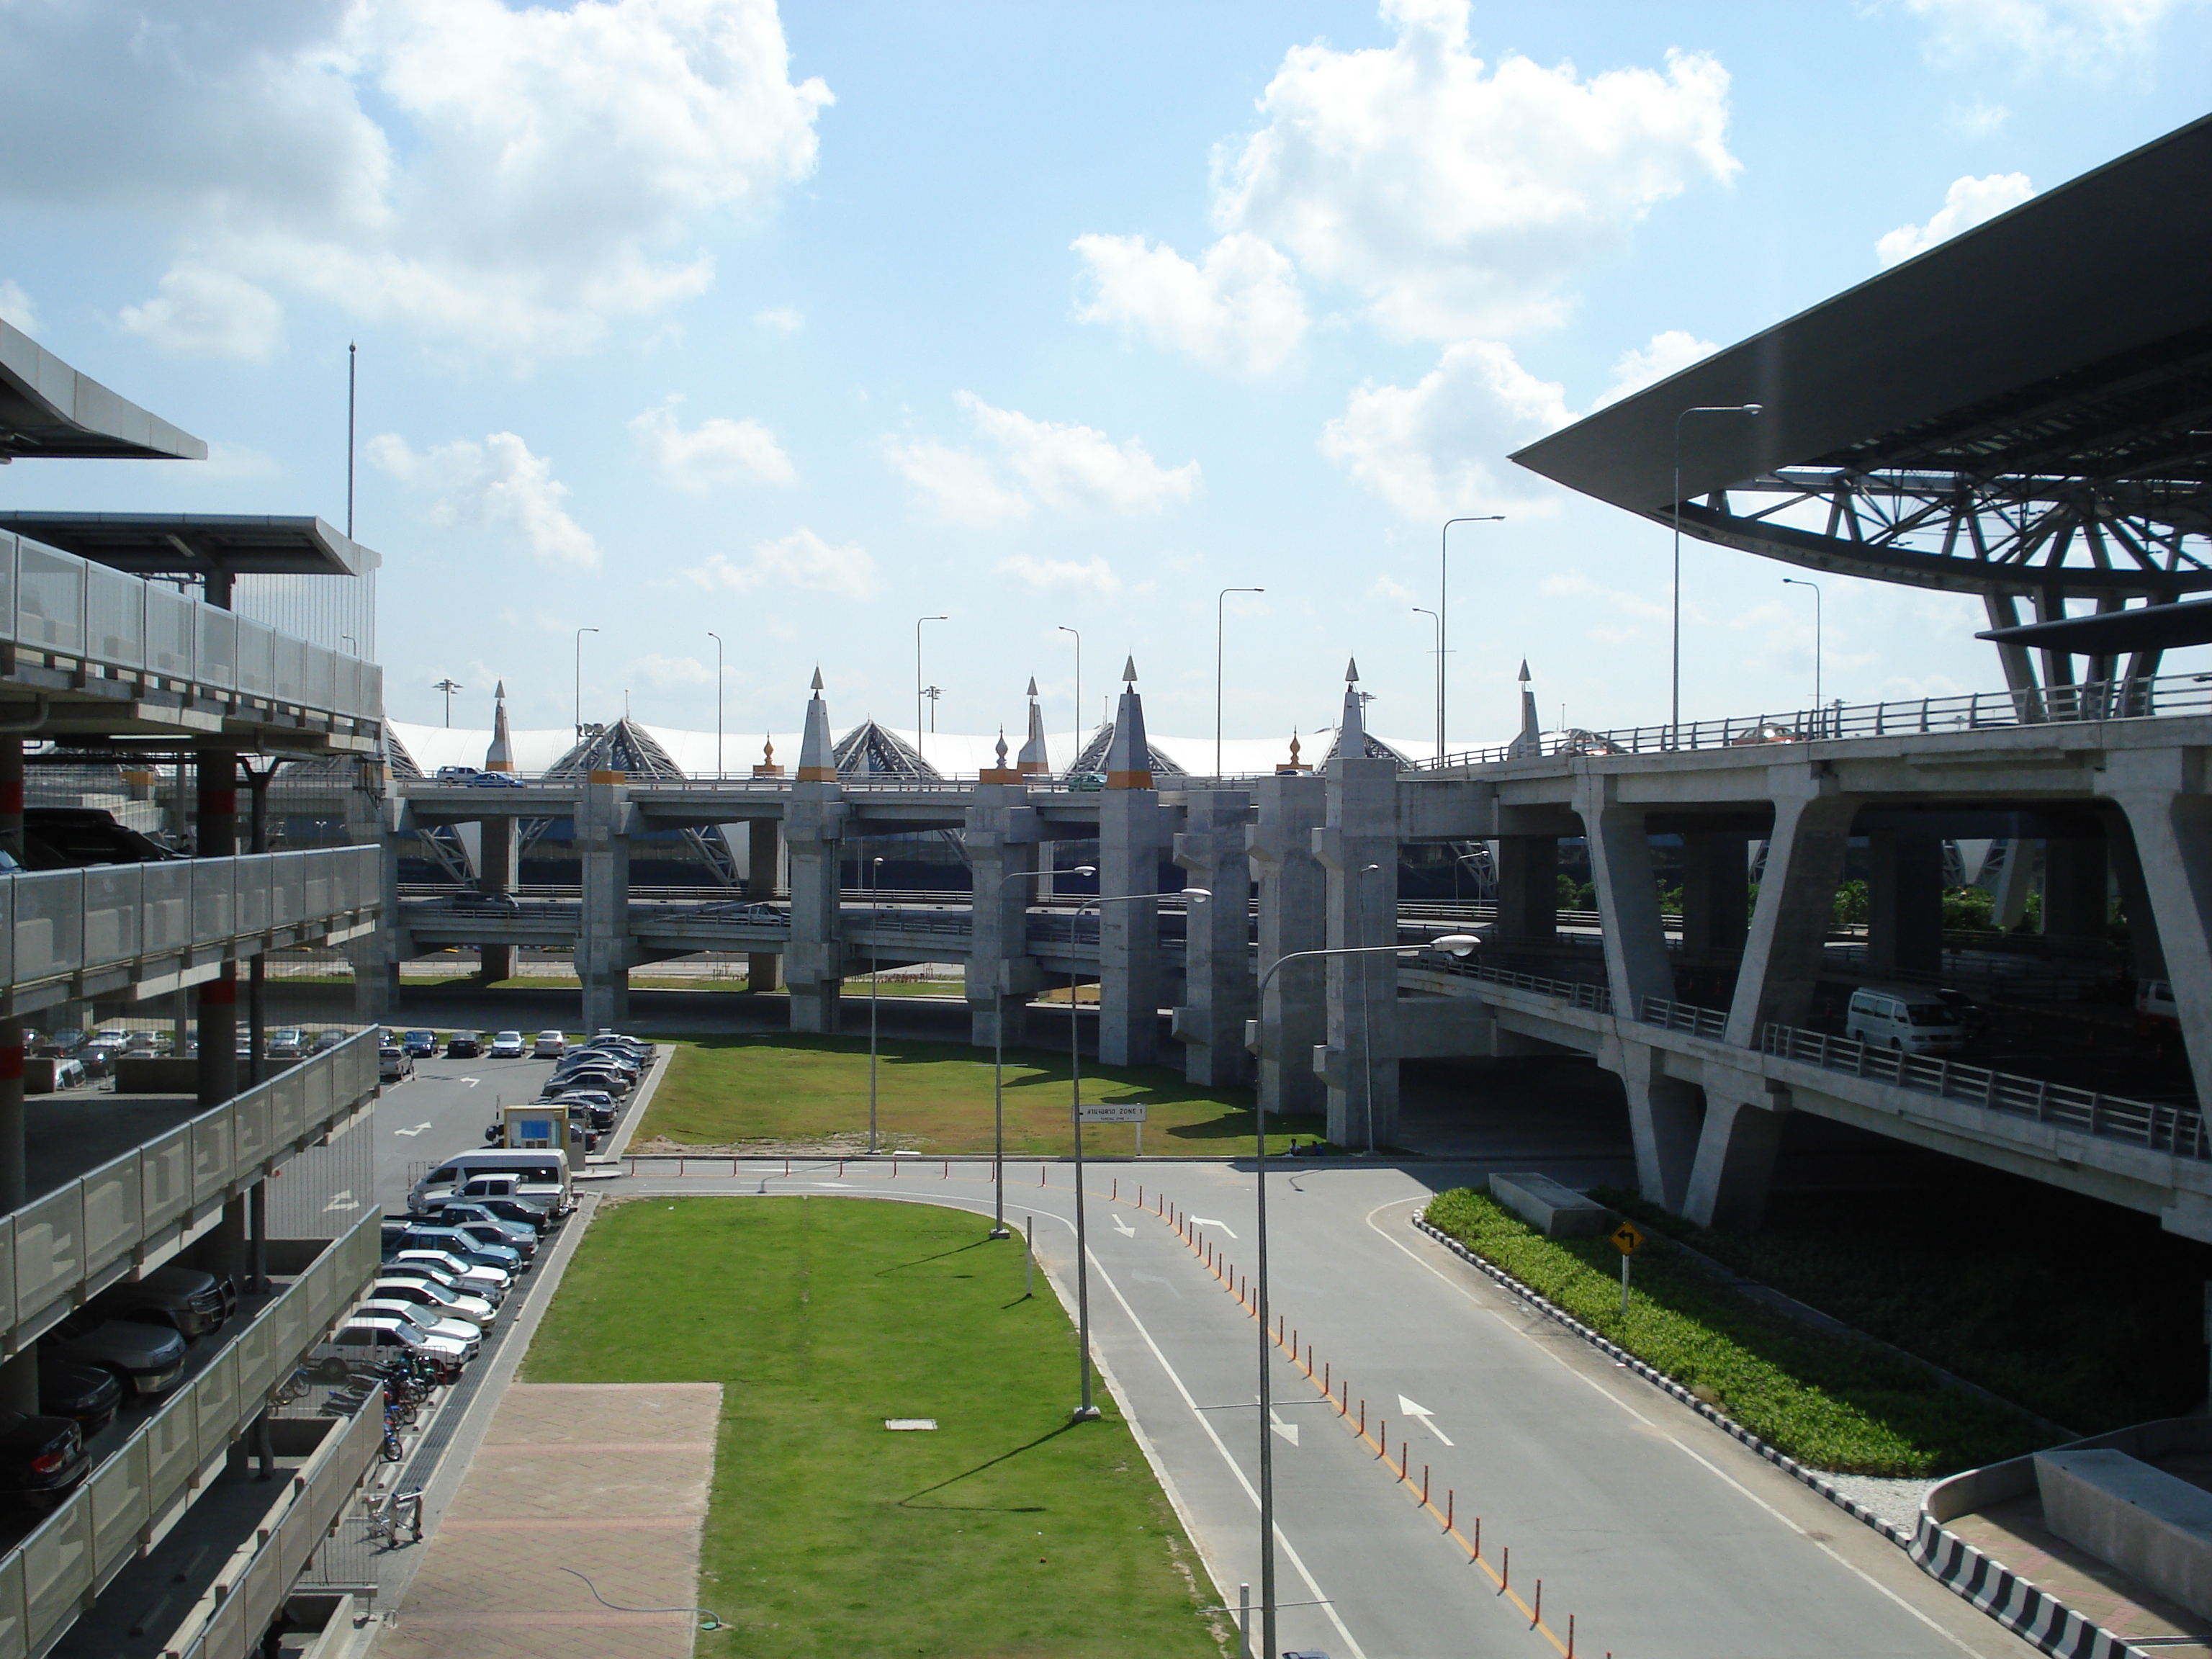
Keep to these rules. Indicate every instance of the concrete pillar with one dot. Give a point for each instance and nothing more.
(2076, 889)
(215, 1000)
(1528, 888)
(814, 966)
(1716, 894)
(1904, 903)
(763, 852)
(1664, 1118)
(1001, 838)
(1636, 961)
(1217, 977)
(604, 950)
(1130, 841)
(1735, 1164)
(2145, 958)
(1358, 847)
(1293, 887)
(497, 868)
(13, 1153)
(2173, 824)
(2015, 879)
(1782, 953)
(376, 959)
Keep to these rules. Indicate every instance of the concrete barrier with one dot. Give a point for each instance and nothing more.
(2151, 1525)
(1556, 1212)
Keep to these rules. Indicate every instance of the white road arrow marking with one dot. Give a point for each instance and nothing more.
(1200, 1221)
(1422, 1411)
(1153, 1279)
(344, 1200)
(1288, 1430)
(472, 1081)
(1124, 1228)
(416, 1130)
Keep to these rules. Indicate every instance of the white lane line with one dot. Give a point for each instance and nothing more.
(1427, 1420)
(1201, 1221)
(1822, 1545)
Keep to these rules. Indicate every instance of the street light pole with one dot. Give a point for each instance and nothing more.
(875, 934)
(579, 680)
(1458, 944)
(717, 639)
(1065, 629)
(1444, 609)
(449, 685)
(998, 1229)
(1423, 610)
(1086, 1411)
(1674, 678)
(1798, 582)
(917, 678)
(1220, 599)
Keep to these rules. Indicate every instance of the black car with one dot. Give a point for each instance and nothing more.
(419, 1045)
(601, 1106)
(71, 837)
(589, 1079)
(464, 1045)
(469, 899)
(40, 1457)
(88, 1396)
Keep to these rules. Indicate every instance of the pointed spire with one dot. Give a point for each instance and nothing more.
(1034, 761)
(817, 758)
(500, 755)
(1524, 670)
(1530, 741)
(1002, 749)
(1129, 672)
(1352, 670)
(1033, 690)
(1129, 756)
(767, 768)
(1351, 729)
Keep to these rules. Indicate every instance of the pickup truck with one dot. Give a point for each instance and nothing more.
(189, 1301)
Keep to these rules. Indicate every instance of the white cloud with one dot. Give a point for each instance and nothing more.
(1069, 469)
(717, 451)
(499, 484)
(662, 672)
(513, 180)
(1427, 449)
(205, 312)
(801, 559)
(1238, 309)
(1389, 587)
(1459, 199)
(1968, 203)
(16, 307)
(781, 320)
(2085, 36)
(1093, 573)
(1669, 353)
(1975, 120)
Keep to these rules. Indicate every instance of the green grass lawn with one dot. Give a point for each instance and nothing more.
(1008, 1532)
(782, 1089)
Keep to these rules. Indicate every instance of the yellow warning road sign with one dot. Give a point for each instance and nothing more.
(1626, 1239)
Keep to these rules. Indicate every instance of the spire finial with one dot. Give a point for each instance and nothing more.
(818, 682)
(499, 692)
(1033, 690)
(1294, 745)
(1129, 672)
(1524, 670)
(1350, 671)
(1002, 749)
(768, 751)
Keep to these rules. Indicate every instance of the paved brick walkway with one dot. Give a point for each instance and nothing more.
(608, 1479)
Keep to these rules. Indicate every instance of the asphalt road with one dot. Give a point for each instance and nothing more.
(1663, 1538)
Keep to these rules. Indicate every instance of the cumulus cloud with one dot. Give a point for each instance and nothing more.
(497, 484)
(716, 452)
(781, 320)
(1093, 573)
(16, 307)
(1968, 203)
(1069, 469)
(509, 178)
(1427, 449)
(1669, 353)
(801, 559)
(1456, 198)
(1238, 308)
(662, 672)
(2083, 36)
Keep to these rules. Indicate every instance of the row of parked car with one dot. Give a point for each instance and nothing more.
(589, 1083)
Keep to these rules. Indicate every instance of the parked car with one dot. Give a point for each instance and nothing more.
(189, 1301)
(86, 1395)
(2157, 1014)
(457, 1213)
(601, 1054)
(594, 1080)
(434, 1267)
(507, 1045)
(148, 1358)
(329, 1039)
(551, 1045)
(436, 1298)
(490, 1233)
(1910, 1020)
(464, 1243)
(394, 1064)
(288, 1043)
(463, 1331)
(464, 1045)
(419, 1045)
(1086, 783)
(518, 1210)
(378, 1338)
(597, 1102)
(40, 1457)
(469, 899)
(73, 837)
(71, 1074)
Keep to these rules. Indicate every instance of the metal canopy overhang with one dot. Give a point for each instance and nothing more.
(48, 409)
(2063, 347)
(174, 543)
(2116, 633)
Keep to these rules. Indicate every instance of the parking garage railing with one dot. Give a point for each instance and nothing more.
(45, 1579)
(1575, 994)
(1685, 1017)
(55, 1245)
(58, 923)
(64, 606)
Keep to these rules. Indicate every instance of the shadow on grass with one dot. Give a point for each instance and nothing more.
(924, 1260)
(910, 1502)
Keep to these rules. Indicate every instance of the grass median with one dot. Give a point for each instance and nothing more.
(1832, 1401)
(782, 1090)
(1007, 1531)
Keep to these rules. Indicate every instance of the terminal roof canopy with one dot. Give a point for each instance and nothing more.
(2025, 408)
(177, 544)
(48, 409)
(2116, 633)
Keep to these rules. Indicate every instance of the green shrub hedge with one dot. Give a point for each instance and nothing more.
(1831, 1401)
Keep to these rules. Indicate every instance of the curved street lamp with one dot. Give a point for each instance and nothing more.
(998, 1228)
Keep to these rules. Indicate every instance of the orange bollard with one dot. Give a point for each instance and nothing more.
(1405, 1464)
(1363, 1414)
(1571, 1636)
(1327, 1387)
(1448, 1508)
(1382, 1437)
(1505, 1569)
(1117, 1197)
(1424, 1483)
(1344, 1405)
(1477, 1556)
(1536, 1616)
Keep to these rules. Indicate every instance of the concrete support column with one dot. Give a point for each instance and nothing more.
(1358, 847)
(1130, 841)
(2076, 889)
(1636, 961)
(1665, 1116)
(13, 1155)
(497, 867)
(2173, 826)
(604, 950)
(763, 854)
(1217, 978)
(2145, 958)
(1716, 894)
(1904, 903)
(1528, 888)
(1001, 838)
(1292, 887)
(376, 958)
(1796, 902)
(215, 1000)
(1735, 1164)
(814, 965)
(2016, 880)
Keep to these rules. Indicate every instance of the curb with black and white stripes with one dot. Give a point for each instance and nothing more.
(2033, 1615)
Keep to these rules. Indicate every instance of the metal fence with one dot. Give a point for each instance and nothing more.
(1685, 1017)
(1576, 993)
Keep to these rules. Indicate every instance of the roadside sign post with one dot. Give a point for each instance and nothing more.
(1118, 1113)
(1627, 1238)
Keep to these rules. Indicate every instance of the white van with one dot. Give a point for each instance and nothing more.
(542, 1175)
(1910, 1021)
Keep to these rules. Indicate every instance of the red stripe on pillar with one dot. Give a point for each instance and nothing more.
(11, 796)
(11, 1063)
(219, 990)
(218, 800)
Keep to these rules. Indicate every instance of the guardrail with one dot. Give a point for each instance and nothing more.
(1685, 1017)
(64, 606)
(1575, 994)
(59, 1241)
(2162, 1127)
(2106, 699)
(45, 1579)
(57, 923)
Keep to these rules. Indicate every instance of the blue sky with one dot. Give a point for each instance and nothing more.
(797, 324)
